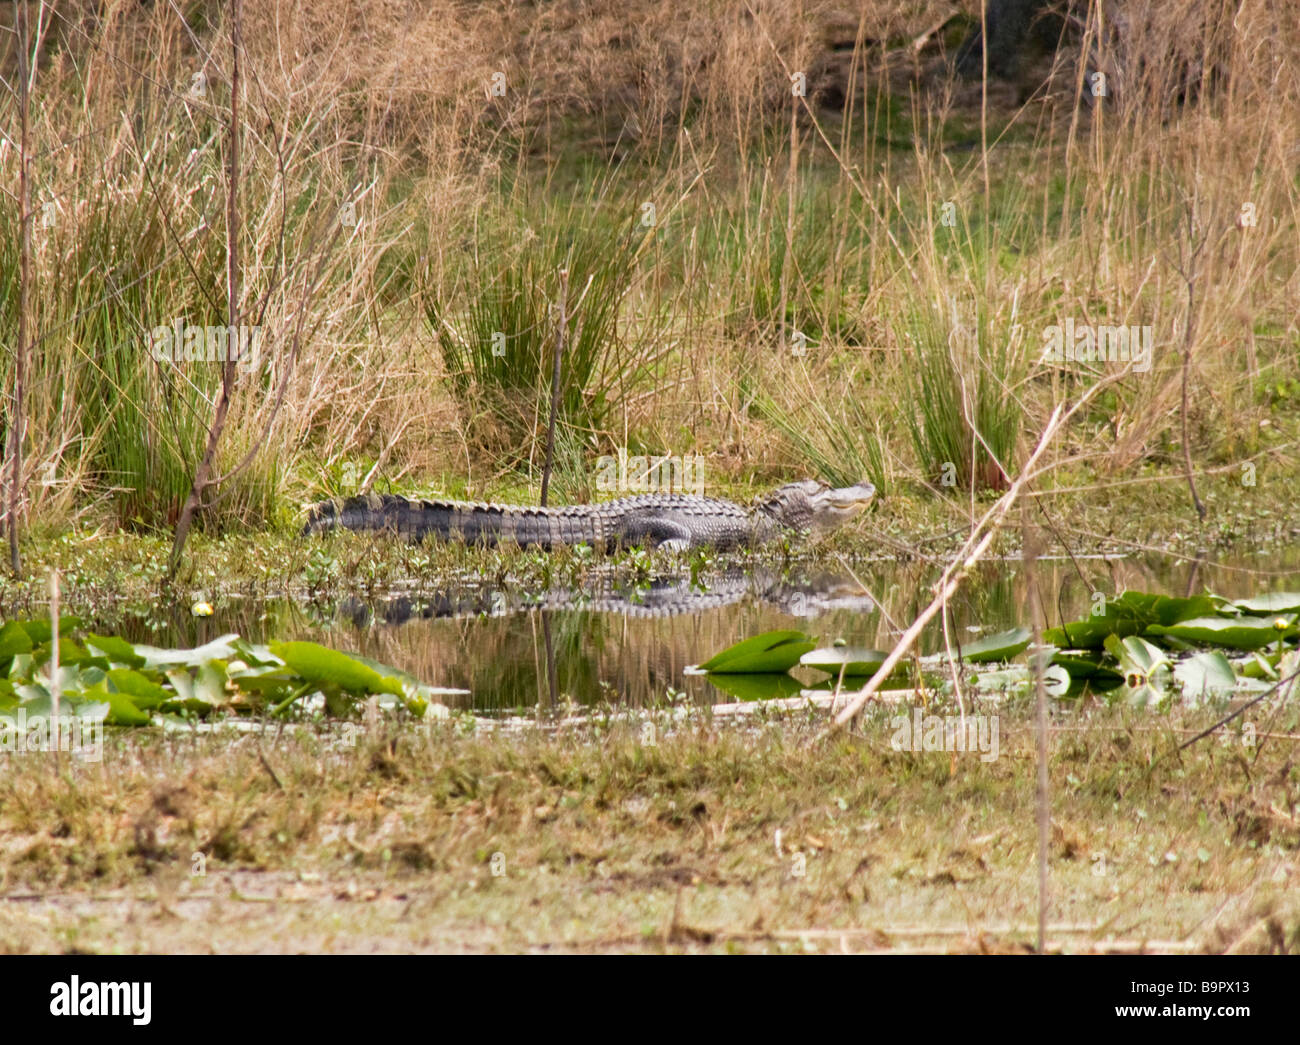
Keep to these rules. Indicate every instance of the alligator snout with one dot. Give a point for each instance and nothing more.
(851, 498)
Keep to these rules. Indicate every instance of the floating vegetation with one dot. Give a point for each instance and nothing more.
(994, 648)
(845, 660)
(1143, 646)
(104, 678)
(772, 652)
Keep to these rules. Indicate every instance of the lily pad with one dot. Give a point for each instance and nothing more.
(117, 650)
(411, 686)
(122, 710)
(1086, 664)
(324, 665)
(210, 684)
(1260, 666)
(1236, 632)
(144, 692)
(1131, 613)
(1136, 655)
(14, 639)
(853, 661)
(1272, 602)
(1021, 677)
(755, 686)
(1206, 673)
(38, 703)
(218, 649)
(999, 647)
(39, 630)
(773, 651)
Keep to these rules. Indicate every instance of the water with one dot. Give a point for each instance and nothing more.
(630, 645)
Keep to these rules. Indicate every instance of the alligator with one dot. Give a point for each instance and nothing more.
(671, 521)
(657, 598)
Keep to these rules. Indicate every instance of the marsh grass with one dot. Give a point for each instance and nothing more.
(498, 322)
(963, 411)
(610, 843)
(774, 218)
(835, 430)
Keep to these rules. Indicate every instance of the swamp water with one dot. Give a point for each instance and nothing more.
(630, 645)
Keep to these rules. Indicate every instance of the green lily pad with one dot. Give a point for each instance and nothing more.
(14, 639)
(1260, 666)
(117, 650)
(773, 651)
(37, 702)
(1206, 673)
(70, 652)
(1131, 613)
(1086, 664)
(121, 709)
(999, 647)
(1272, 602)
(143, 691)
(1236, 632)
(853, 661)
(1136, 655)
(411, 686)
(39, 630)
(323, 665)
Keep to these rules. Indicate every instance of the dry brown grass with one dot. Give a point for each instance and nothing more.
(603, 842)
(1103, 213)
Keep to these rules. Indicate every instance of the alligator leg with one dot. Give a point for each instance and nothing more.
(655, 532)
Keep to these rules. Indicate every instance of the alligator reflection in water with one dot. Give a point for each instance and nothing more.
(630, 644)
(662, 597)
(620, 642)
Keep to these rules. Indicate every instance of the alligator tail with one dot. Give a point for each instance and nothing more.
(376, 512)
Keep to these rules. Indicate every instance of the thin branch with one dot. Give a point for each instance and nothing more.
(972, 550)
(548, 460)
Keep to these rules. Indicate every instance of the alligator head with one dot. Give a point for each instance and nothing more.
(813, 505)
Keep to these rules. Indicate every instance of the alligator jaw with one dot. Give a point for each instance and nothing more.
(847, 501)
(831, 507)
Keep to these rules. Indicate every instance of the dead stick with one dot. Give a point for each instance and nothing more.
(952, 577)
(24, 286)
(1029, 555)
(555, 388)
(54, 666)
(977, 543)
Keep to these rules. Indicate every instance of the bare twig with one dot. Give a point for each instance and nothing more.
(203, 473)
(555, 385)
(16, 418)
(973, 549)
(1029, 555)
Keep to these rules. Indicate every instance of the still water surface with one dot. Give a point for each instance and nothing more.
(631, 645)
